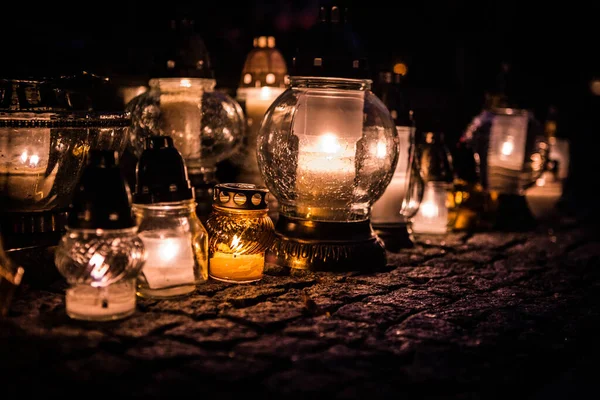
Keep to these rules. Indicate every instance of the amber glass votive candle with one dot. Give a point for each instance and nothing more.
(240, 231)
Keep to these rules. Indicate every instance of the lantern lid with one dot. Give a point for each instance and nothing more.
(77, 100)
(264, 65)
(435, 161)
(101, 198)
(161, 173)
(240, 196)
(182, 54)
(331, 48)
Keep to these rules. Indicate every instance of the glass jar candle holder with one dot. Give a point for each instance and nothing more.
(432, 216)
(436, 170)
(240, 232)
(100, 255)
(175, 239)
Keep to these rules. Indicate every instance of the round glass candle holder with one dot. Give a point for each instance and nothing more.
(240, 231)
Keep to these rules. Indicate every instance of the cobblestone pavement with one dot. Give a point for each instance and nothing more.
(488, 315)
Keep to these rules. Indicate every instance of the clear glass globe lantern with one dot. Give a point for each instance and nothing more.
(511, 152)
(327, 150)
(206, 125)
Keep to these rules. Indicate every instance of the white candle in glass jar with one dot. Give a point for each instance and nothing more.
(101, 303)
(170, 259)
(432, 216)
(326, 171)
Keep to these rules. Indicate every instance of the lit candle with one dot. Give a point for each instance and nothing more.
(328, 125)
(507, 141)
(237, 267)
(257, 100)
(101, 303)
(170, 260)
(387, 209)
(26, 156)
(240, 232)
(432, 216)
(230, 264)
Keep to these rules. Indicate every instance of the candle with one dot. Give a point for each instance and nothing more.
(544, 195)
(181, 118)
(257, 100)
(432, 216)
(170, 261)
(325, 174)
(387, 209)
(240, 232)
(25, 159)
(101, 303)
(237, 268)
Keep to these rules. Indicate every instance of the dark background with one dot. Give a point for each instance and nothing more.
(453, 49)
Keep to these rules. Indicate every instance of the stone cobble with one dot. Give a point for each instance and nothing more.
(486, 315)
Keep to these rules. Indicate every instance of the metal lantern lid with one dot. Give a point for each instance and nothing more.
(79, 100)
(182, 54)
(264, 66)
(101, 199)
(435, 160)
(240, 196)
(331, 48)
(161, 173)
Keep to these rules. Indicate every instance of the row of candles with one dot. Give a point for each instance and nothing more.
(321, 143)
(153, 244)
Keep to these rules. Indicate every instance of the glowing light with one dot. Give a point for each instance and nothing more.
(328, 143)
(270, 79)
(34, 160)
(381, 150)
(168, 250)
(185, 83)
(508, 146)
(265, 92)
(24, 157)
(595, 87)
(247, 78)
(429, 210)
(400, 69)
(99, 268)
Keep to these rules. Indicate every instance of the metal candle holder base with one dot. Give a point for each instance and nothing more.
(326, 246)
(395, 236)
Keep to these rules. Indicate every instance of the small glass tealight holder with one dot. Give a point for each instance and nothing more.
(175, 239)
(100, 255)
(240, 231)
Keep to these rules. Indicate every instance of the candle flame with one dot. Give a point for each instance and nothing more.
(508, 146)
(168, 250)
(265, 93)
(34, 159)
(98, 267)
(235, 243)
(328, 143)
(429, 209)
(381, 149)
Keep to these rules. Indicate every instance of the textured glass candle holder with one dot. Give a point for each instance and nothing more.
(240, 232)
